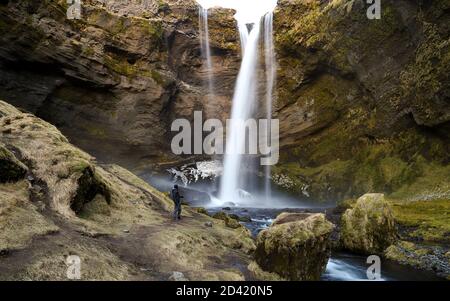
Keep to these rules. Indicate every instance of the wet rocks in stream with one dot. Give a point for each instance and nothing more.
(296, 246)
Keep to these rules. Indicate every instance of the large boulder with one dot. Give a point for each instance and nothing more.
(369, 226)
(296, 246)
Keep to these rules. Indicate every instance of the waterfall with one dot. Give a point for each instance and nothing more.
(243, 101)
(270, 78)
(251, 15)
(205, 47)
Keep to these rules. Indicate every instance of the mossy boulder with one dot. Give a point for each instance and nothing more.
(230, 222)
(296, 246)
(368, 227)
(202, 210)
(11, 169)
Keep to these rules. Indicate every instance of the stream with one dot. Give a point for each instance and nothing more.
(342, 266)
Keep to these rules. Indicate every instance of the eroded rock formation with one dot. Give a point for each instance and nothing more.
(363, 104)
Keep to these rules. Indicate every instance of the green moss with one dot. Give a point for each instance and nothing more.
(120, 66)
(428, 220)
(297, 249)
(401, 252)
(368, 227)
(157, 77)
(202, 211)
(423, 80)
(79, 166)
(95, 131)
(11, 169)
(98, 207)
(88, 51)
(229, 221)
(322, 183)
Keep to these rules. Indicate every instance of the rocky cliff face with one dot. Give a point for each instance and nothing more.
(363, 104)
(118, 76)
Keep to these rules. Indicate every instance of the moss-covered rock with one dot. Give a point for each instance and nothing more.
(368, 227)
(296, 246)
(11, 169)
(421, 257)
(423, 220)
(362, 102)
(202, 210)
(229, 220)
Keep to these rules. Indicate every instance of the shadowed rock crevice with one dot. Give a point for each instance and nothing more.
(11, 169)
(88, 188)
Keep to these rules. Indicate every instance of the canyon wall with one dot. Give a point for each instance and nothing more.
(363, 104)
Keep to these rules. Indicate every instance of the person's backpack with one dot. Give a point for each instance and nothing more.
(173, 194)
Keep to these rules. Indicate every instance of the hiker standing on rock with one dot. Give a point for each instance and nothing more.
(176, 197)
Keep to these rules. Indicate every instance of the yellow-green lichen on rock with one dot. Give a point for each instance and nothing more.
(229, 221)
(295, 246)
(368, 227)
(420, 257)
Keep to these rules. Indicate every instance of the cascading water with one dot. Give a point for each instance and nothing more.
(243, 100)
(206, 50)
(270, 77)
(249, 15)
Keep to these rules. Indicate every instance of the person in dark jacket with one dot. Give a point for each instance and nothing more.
(176, 197)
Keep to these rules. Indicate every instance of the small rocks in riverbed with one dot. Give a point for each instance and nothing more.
(209, 224)
(177, 276)
(30, 178)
